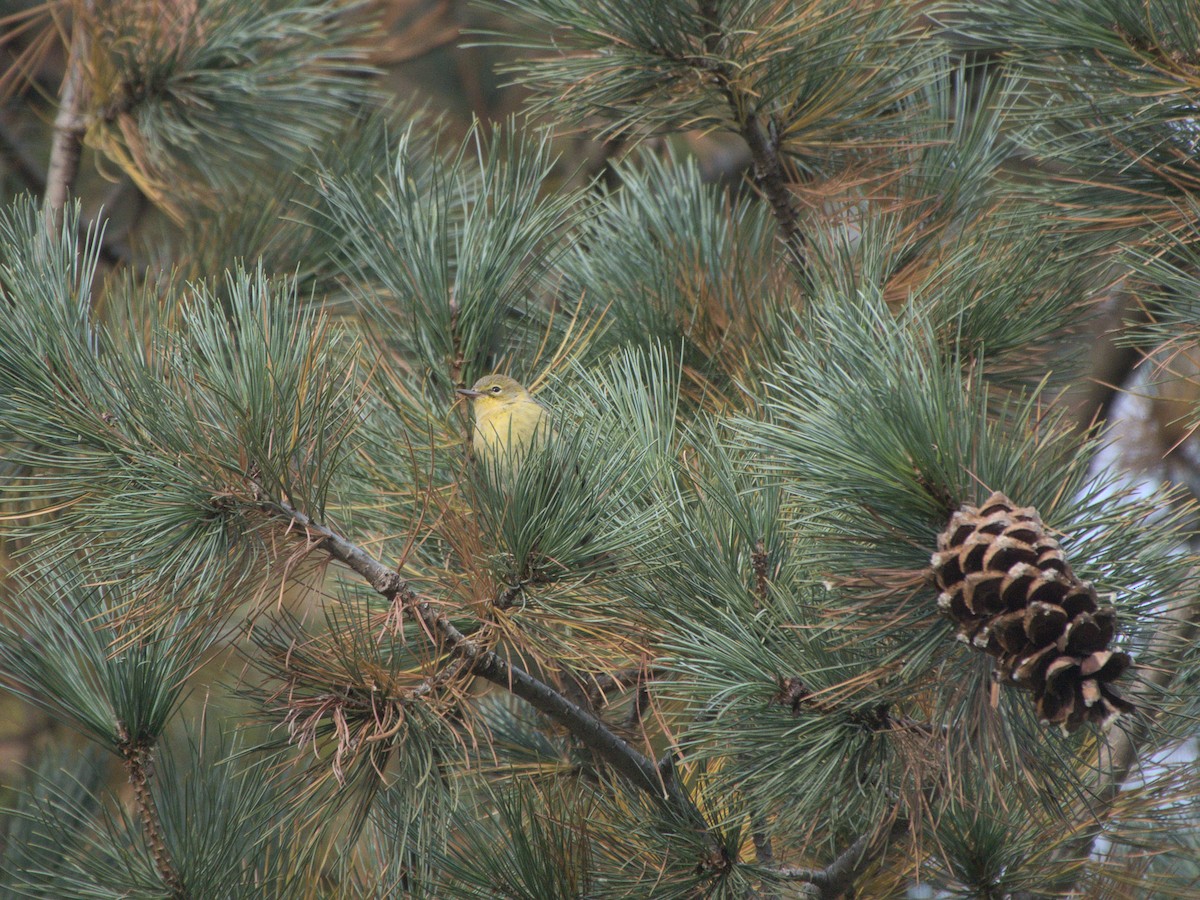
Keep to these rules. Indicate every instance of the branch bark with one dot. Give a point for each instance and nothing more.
(139, 766)
(1122, 747)
(113, 252)
(849, 865)
(769, 174)
(69, 122)
(637, 769)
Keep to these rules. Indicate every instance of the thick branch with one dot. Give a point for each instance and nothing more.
(637, 769)
(139, 766)
(770, 176)
(69, 122)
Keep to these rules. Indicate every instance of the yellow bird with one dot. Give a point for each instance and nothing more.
(507, 419)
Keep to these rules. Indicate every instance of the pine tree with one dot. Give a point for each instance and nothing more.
(846, 571)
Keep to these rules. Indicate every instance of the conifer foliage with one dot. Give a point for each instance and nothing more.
(809, 291)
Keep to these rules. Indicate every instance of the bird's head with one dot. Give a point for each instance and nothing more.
(494, 392)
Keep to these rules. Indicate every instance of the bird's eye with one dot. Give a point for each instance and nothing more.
(495, 388)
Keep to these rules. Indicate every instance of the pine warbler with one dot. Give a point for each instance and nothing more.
(507, 419)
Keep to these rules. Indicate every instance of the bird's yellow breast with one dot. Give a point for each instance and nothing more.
(506, 427)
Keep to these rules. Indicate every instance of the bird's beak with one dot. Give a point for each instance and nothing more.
(467, 392)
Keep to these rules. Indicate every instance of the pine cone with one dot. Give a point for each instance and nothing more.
(1008, 586)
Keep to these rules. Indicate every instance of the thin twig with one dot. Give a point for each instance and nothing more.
(631, 765)
(622, 679)
(430, 30)
(468, 61)
(1121, 747)
(797, 696)
(456, 361)
(17, 159)
(764, 854)
(21, 163)
(759, 561)
(69, 122)
(507, 597)
(769, 173)
(839, 876)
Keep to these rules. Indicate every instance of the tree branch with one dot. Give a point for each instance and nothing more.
(17, 159)
(637, 769)
(839, 876)
(139, 766)
(22, 165)
(1121, 747)
(795, 695)
(769, 174)
(69, 123)
(602, 683)
(764, 853)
